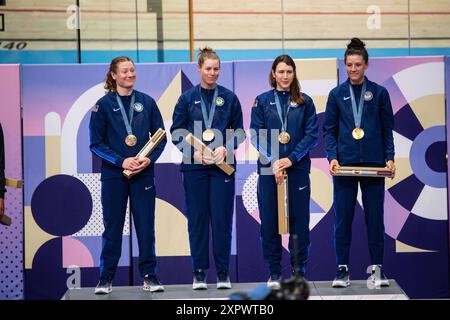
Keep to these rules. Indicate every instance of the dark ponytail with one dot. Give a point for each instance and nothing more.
(357, 47)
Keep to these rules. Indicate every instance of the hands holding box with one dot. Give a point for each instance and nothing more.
(146, 150)
(200, 146)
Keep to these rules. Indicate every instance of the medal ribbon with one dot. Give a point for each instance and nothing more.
(208, 120)
(280, 114)
(357, 115)
(124, 115)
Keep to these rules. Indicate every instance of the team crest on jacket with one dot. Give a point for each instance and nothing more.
(293, 104)
(138, 107)
(368, 96)
(219, 101)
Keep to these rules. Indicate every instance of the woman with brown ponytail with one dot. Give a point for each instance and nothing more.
(121, 122)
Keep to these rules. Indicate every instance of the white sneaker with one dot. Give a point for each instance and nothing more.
(274, 281)
(152, 284)
(223, 280)
(378, 278)
(103, 287)
(342, 279)
(199, 282)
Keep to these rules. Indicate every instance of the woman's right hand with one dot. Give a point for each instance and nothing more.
(131, 163)
(278, 177)
(202, 158)
(334, 164)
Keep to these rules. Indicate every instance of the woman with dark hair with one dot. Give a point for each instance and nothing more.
(121, 123)
(284, 129)
(358, 132)
(210, 112)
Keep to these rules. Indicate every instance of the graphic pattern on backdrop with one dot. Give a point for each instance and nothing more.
(62, 243)
(416, 211)
(11, 243)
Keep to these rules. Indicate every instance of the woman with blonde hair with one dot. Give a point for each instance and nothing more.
(209, 111)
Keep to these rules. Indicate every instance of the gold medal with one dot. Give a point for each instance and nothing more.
(131, 140)
(284, 137)
(208, 135)
(358, 133)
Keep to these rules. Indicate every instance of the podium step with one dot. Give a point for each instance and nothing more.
(319, 290)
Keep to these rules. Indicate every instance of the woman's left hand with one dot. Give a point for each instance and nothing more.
(144, 162)
(280, 165)
(219, 155)
(391, 165)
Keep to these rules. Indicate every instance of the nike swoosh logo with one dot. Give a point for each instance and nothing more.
(197, 102)
(116, 109)
(301, 188)
(346, 98)
(148, 188)
(272, 103)
(228, 180)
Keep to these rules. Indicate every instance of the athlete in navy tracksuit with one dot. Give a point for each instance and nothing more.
(346, 147)
(275, 157)
(209, 192)
(108, 131)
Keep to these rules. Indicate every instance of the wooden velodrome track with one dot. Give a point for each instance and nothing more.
(224, 24)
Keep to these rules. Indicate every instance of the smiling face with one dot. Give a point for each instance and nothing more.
(209, 73)
(125, 75)
(356, 68)
(283, 75)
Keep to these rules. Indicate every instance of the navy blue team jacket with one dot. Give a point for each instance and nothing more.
(188, 110)
(377, 145)
(302, 127)
(108, 132)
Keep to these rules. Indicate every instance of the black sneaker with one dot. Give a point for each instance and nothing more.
(274, 281)
(342, 279)
(152, 283)
(103, 287)
(199, 282)
(223, 280)
(378, 278)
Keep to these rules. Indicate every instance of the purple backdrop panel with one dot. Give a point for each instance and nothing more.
(34, 162)
(57, 89)
(11, 278)
(381, 69)
(252, 79)
(447, 100)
